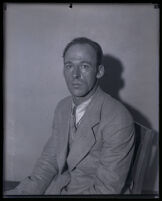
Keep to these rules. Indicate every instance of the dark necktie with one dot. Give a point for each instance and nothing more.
(73, 124)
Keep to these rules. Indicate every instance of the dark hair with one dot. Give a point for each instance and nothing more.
(83, 40)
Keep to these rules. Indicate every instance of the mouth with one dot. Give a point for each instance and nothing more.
(76, 84)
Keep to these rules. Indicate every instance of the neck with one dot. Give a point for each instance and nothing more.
(79, 100)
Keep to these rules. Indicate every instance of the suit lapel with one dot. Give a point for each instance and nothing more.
(63, 135)
(85, 136)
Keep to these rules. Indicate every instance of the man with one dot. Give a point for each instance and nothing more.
(91, 148)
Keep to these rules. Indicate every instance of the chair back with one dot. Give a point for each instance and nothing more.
(143, 143)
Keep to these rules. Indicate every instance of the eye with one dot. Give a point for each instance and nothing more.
(84, 66)
(68, 66)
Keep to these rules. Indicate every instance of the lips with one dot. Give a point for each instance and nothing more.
(76, 84)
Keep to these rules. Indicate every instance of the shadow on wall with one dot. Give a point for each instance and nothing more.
(112, 82)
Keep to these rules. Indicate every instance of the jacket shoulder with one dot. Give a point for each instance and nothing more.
(65, 102)
(114, 110)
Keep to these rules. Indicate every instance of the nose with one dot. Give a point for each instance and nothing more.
(76, 72)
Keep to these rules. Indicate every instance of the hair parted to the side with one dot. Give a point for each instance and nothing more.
(84, 40)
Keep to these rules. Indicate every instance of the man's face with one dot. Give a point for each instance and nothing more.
(80, 69)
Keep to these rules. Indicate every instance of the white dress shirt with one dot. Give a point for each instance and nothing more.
(80, 110)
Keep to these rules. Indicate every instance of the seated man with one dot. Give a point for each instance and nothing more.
(92, 144)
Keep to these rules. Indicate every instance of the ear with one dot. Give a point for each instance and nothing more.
(101, 71)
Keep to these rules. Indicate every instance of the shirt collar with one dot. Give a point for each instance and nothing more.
(83, 105)
(79, 110)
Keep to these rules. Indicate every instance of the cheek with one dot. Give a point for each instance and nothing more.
(67, 76)
(89, 79)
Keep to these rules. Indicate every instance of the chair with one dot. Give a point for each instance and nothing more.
(143, 144)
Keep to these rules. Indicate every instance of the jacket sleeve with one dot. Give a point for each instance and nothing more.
(44, 171)
(114, 163)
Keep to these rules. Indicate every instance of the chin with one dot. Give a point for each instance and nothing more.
(78, 93)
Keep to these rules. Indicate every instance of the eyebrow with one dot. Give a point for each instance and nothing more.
(80, 62)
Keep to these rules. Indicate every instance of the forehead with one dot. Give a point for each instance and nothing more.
(81, 52)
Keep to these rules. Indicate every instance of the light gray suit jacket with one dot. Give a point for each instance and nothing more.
(99, 158)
